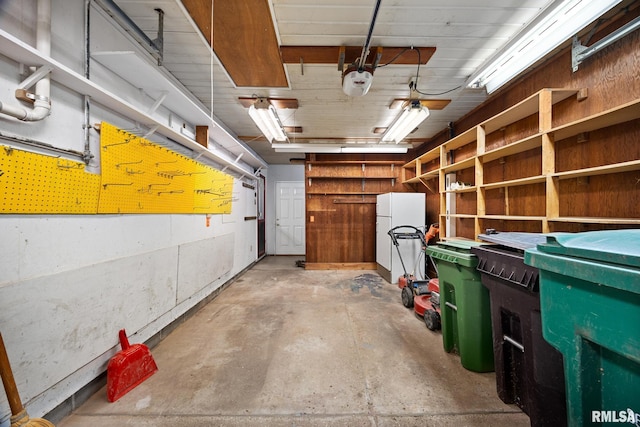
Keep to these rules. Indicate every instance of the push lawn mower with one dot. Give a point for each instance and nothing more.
(411, 286)
(422, 295)
(428, 306)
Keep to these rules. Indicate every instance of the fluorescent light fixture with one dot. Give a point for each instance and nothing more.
(336, 148)
(412, 115)
(266, 118)
(306, 148)
(547, 32)
(395, 148)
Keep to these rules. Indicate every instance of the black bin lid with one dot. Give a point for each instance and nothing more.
(505, 260)
(514, 240)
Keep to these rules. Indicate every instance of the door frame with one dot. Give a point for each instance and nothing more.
(277, 203)
(262, 206)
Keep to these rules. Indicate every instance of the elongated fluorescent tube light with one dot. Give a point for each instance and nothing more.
(400, 148)
(306, 148)
(335, 148)
(557, 26)
(412, 115)
(266, 118)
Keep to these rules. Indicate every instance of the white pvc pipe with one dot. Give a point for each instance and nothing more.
(42, 103)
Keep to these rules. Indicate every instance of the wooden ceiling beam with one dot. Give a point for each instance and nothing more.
(244, 40)
(280, 103)
(432, 104)
(332, 54)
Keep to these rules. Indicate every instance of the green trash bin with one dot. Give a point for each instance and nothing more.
(464, 304)
(590, 308)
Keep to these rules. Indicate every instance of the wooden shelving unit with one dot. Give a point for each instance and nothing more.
(423, 170)
(340, 207)
(516, 183)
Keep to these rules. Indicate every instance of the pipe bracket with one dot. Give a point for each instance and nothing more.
(30, 97)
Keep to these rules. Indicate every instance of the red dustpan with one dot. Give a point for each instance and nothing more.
(128, 368)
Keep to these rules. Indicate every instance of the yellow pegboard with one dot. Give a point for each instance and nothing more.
(139, 176)
(34, 183)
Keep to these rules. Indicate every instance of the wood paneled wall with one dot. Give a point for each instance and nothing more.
(341, 195)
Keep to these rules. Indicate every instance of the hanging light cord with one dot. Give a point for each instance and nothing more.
(411, 85)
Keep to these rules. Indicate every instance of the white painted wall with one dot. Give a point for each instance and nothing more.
(68, 283)
(274, 174)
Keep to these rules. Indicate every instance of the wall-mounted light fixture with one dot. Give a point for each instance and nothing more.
(337, 148)
(548, 31)
(412, 115)
(265, 117)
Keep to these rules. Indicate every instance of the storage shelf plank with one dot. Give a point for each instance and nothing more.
(351, 177)
(596, 220)
(524, 108)
(352, 201)
(356, 162)
(464, 164)
(526, 144)
(513, 217)
(471, 189)
(430, 175)
(464, 138)
(429, 155)
(467, 216)
(600, 170)
(515, 182)
(350, 193)
(623, 113)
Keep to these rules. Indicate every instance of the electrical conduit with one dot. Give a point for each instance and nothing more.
(42, 102)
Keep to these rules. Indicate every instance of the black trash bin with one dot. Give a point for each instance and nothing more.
(529, 371)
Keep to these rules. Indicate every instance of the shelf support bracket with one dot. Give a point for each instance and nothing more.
(425, 183)
(158, 102)
(36, 76)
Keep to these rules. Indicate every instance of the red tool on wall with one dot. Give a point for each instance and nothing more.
(128, 368)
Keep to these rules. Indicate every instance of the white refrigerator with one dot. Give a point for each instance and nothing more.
(392, 210)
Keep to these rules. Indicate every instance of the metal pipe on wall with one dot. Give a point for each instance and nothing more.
(41, 98)
(87, 156)
(154, 47)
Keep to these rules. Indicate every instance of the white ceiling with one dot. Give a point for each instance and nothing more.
(465, 33)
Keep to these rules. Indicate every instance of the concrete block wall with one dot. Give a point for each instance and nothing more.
(68, 283)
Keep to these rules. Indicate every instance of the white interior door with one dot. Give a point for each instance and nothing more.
(290, 218)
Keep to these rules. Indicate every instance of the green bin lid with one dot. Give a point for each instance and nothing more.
(455, 251)
(460, 245)
(610, 246)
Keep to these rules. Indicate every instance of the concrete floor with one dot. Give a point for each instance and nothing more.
(283, 346)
